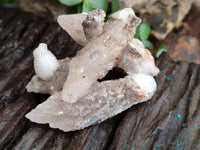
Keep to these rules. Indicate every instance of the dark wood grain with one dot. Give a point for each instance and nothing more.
(170, 120)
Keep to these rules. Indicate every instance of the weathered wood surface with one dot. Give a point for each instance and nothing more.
(170, 120)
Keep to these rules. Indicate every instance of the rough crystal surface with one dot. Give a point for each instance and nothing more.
(89, 101)
(93, 24)
(138, 60)
(52, 85)
(98, 105)
(98, 57)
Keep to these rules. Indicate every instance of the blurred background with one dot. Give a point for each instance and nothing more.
(169, 26)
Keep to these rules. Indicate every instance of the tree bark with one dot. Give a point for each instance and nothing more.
(170, 120)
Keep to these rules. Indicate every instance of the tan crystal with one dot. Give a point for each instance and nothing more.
(103, 100)
(88, 101)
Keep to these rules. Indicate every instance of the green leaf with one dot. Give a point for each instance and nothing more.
(161, 46)
(115, 5)
(160, 51)
(107, 17)
(87, 7)
(79, 8)
(70, 2)
(137, 35)
(99, 4)
(4, 2)
(144, 31)
(10, 6)
(148, 44)
(74, 9)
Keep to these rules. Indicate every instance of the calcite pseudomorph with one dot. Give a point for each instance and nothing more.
(77, 98)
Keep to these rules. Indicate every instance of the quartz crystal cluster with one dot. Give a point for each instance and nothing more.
(78, 99)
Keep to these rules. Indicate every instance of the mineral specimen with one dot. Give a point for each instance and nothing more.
(77, 98)
(99, 54)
